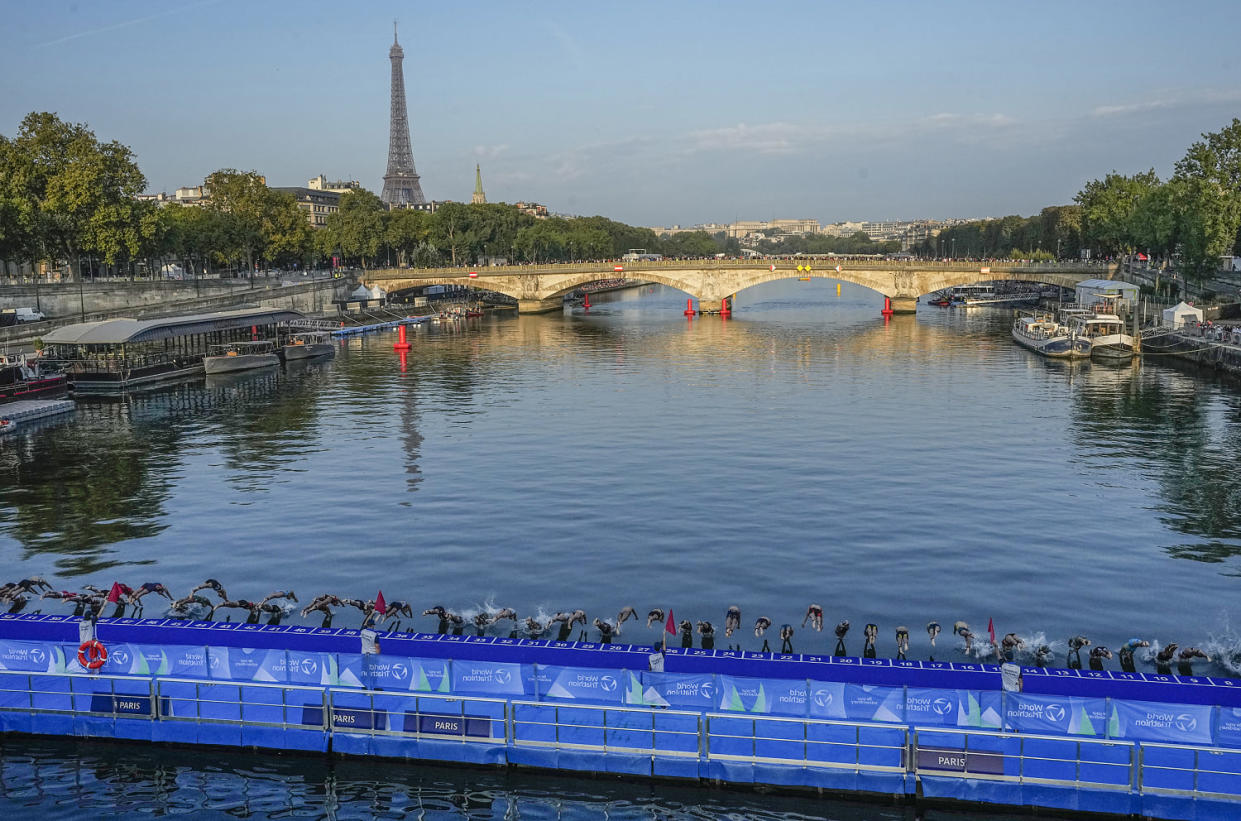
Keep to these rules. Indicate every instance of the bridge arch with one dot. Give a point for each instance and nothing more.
(396, 286)
(572, 282)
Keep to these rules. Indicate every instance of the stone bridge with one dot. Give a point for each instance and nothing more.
(540, 288)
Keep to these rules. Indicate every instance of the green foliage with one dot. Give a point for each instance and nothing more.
(1109, 207)
(64, 193)
(358, 229)
(1056, 229)
(1208, 198)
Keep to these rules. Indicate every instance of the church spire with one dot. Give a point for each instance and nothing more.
(479, 197)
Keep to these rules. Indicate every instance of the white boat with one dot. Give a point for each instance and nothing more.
(309, 345)
(1106, 333)
(1046, 336)
(240, 356)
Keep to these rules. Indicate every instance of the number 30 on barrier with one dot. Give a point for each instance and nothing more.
(92, 654)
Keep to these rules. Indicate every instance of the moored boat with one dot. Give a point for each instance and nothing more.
(1106, 333)
(308, 345)
(240, 356)
(24, 376)
(7, 426)
(1044, 335)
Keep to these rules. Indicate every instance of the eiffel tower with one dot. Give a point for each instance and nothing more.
(401, 186)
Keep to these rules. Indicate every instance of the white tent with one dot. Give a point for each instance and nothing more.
(1181, 314)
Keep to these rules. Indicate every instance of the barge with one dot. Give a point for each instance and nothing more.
(1082, 740)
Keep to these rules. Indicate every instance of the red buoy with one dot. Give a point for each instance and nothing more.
(586, 302)
(689, 308)
(401, 344)
(887, 308)
(725, 309)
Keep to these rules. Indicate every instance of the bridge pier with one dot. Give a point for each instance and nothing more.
(540, 306)
(710, 306)
(904, 304)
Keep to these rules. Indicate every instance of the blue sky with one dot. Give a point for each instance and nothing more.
(648, 112)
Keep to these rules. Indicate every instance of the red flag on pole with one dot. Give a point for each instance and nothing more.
(671, 626)
(991, 630)
(114, 595)
(381, 606)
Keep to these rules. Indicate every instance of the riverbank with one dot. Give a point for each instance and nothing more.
(1204, 352)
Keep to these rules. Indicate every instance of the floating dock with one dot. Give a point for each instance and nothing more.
(28, 410)
(1121, 743)
(356, 330)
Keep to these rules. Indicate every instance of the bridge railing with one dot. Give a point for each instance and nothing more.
(821, 266)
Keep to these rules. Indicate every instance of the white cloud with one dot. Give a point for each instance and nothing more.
(1170, 100)
(489, 152)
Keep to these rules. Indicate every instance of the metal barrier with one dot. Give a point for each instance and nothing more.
(257, 705)
(494, 729)
(443, 718)
(529, 727)
(70, 694)
(1196, 772)
(821, 743)
(1025, 759)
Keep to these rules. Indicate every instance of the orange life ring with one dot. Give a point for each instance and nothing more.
(92, 654)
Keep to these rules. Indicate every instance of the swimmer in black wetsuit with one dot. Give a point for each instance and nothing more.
(397, 610)
(814, 615)
(534, 628)
(323, 604)
(1042, 656)
(34, 584)
(625, 614)
(1186, 658)
(280, 594)
(1009, 645)
(182, 607)
(707, 631)
(656, 615)
(135, 597)
(871, 632)
(1097, 655)
(687, 633)
(786, 638)
(1076, 643)
(251, 608)
(932, 630)
(1126, 654)
(902, 641)
(605, 631)
(842, 630)
(1163, 659)
(481, 621)
(212, 584)
(732, 620)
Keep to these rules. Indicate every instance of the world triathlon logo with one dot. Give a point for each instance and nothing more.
(823, 698)
(38, 656)
(1054, 712)
(399, 671)
(121, 656)
(941, 706)
(309, 667)
(503, 675)
(1186, 723)
(707, 690)
(607, 684)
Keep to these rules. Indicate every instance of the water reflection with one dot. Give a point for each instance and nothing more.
(55, 779)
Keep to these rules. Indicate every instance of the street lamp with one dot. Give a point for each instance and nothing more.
(954, 247)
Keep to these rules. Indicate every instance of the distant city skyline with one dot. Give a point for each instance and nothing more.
(648, 113)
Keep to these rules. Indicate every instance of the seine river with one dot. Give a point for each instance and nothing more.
(802, 451)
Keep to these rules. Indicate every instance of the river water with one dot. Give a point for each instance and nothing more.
(803, 451)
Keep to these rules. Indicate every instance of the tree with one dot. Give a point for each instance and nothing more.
(287, 236)
(1209, 196)
(67, 192)
(358, 228)
(408, 229)
(450, 227)
(1108, 208)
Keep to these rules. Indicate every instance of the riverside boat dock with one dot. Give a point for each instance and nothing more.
(1121, 743)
